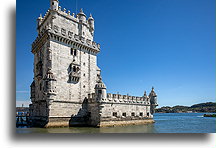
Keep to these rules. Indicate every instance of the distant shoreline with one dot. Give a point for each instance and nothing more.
(208, 107)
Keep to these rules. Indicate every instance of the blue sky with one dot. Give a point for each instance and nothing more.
(168, 44)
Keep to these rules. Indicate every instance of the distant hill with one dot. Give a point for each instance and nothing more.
(22, 109)
(209, 107)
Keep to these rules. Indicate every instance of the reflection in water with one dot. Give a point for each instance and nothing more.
(148, 128)
(164, 123)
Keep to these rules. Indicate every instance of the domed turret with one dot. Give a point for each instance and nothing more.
(81, 15)
(39, 20)
(91, 23)
(54, 4)
(153, 100)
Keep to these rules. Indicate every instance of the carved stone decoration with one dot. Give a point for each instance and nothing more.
(56, 28)
(74, 73)
(33, 91)
(49, 57)
(76, 37)
(63, 31)
(70, 34)
(49, 86)
(39, 70)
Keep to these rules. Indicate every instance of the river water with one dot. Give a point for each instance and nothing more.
(164, 123)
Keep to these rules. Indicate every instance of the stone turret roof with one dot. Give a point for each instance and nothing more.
(81, 12)
(90, 17)
(152, 93)
(100, 84)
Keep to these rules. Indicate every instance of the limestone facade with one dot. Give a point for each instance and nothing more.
(67, 88)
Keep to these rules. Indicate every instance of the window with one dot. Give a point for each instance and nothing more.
(84, 86)
(74, 69)
(99, 91)
(71, 51)
(147, 114)
(124, 114)
(115, 114)
(84, 75)
(75, 52)
(40, 86)
(141, 114)
(84, 64)
(52, 3)
(133, 114)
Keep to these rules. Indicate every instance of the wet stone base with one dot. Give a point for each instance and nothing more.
(66, 122)
(125, 123)
(83, 122)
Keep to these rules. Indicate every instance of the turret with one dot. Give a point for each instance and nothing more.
(39, 21)
(91, 23)
(54, 4)
(100, 90)
(153, 97)
(153, 100)
(50, 88)
(81, 16)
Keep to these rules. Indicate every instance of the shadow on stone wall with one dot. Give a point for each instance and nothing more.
(82, 117)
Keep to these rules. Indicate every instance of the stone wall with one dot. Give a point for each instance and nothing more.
(115, 108)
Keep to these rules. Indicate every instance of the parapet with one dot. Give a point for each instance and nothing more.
(120, 99)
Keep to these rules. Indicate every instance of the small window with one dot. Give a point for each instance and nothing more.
(115, 114)
(40, 86)
(99, 91)
(133, 114)
(71, 51)
(84, 64)
(84, 75)
(84, 86)
(75, 52)
(74, 69)
(70, 67)
(147, 114)
(141, 114)
(124, 114)
(52, 3)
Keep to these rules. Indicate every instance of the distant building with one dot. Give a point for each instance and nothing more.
(67, 89)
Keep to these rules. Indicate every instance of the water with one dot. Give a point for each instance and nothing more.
(164, 123)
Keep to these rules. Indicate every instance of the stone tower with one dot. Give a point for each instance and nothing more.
(65, 67)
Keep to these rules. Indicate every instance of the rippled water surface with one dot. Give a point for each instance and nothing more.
(164, 123)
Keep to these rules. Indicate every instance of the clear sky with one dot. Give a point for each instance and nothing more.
(168, 44)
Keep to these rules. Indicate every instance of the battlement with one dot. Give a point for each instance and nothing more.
(118, 98)
(66, 38)
(60, 25)
(67, 14)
